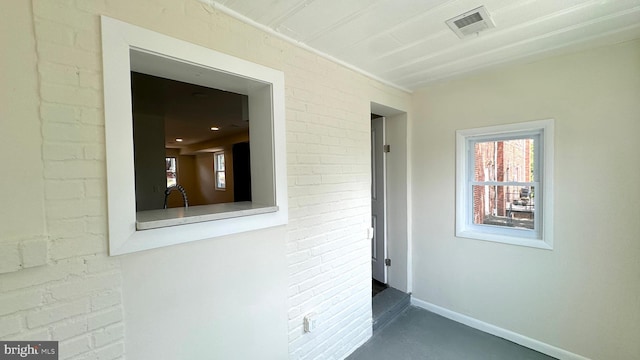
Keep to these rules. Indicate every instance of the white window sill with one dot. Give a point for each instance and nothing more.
(505, 239)
(154, 219)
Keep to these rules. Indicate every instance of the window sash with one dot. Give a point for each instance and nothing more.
(220, 169)
(220, 164)
(173, 170)
(537, 211)
(540, 132)
(538, 155)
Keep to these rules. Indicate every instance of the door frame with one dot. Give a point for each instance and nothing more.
(380, 188)
(397, 197)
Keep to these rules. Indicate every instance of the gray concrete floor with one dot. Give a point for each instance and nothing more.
(418, 334)
(387, 305)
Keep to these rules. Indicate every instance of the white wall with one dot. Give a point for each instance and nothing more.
(208, 299)
(235, 297)
(584, 295)
(22, 220)
(207, 179)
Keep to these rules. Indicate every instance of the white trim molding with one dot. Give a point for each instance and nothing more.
(542, 235)
(127, 48)
(498, 331)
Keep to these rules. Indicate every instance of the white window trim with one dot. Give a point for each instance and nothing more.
(266, 85)
(544, 205)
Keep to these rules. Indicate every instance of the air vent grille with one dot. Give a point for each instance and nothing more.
(471, 22)
(468, 20)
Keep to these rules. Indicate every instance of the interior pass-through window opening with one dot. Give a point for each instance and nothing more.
(164, 186)
(196, 127)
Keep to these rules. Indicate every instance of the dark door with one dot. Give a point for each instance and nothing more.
(241, 172)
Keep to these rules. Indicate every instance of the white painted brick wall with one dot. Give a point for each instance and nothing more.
(9, 257)
(328, 156)
(61, 290)
(77, 297)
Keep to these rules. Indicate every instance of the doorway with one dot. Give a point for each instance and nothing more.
(390, 249)
(378, 209)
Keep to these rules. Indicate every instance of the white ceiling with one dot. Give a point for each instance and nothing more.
(188, 111)
(406, 43)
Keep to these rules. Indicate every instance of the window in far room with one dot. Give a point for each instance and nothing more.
(172, 178)
(504, 184)
(218, 163)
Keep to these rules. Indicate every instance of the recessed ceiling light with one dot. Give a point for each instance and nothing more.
(179, 139)
(215, 128)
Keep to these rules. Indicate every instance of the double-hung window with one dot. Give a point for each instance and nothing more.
(218, 164)
(172, 173)
(504, 183)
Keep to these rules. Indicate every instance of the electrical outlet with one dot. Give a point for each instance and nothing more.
(310, 322)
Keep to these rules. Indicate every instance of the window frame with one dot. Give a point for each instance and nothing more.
(216, 170)
(175, 162)
(542, 235)
(127, 47)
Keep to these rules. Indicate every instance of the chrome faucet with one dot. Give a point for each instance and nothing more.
(179, 188)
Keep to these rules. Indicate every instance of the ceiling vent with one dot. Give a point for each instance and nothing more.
(471, 22)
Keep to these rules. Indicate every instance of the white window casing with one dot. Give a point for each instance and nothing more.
(127, 48)
(541, 236)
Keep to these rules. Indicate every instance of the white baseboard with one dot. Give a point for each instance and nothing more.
(498, 331)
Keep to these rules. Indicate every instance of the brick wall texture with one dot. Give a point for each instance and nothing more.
(500, 161)
(71, 290)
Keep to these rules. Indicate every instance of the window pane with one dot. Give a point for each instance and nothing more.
(506, 206)
(220, 180)
(171, 171)
(508, 160)
(220, 162)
